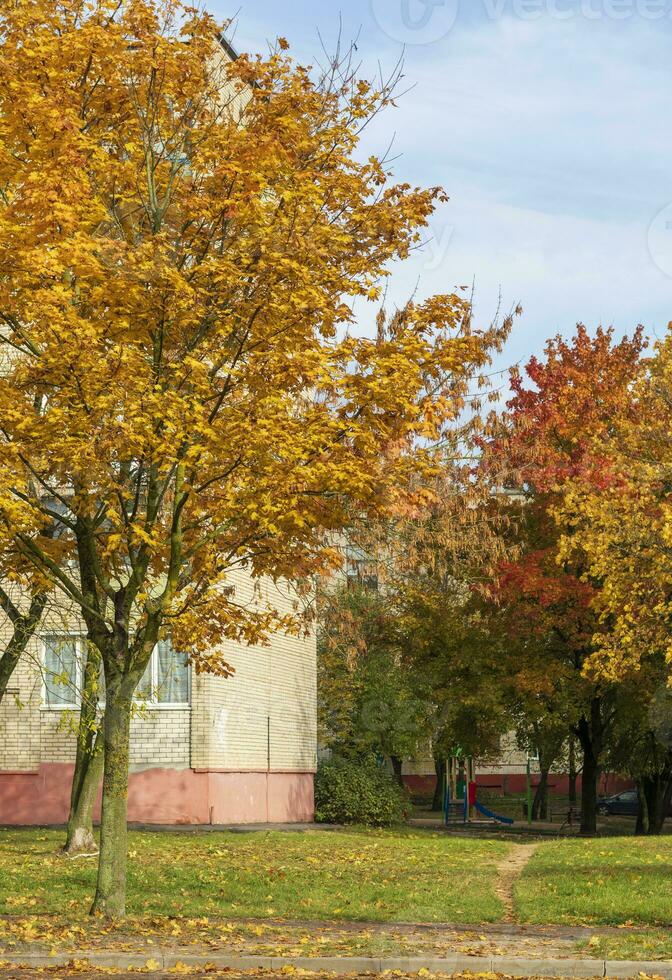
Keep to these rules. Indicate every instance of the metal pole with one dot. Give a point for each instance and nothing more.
(529, 794)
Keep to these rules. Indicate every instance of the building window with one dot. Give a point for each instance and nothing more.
(360, 569)
(62, 670)
(166, 679)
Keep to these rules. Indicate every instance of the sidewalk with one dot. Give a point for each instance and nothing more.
(339, 948)
(160, 960)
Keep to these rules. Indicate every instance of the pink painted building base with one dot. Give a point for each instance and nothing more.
(516, 783)
(166, 796)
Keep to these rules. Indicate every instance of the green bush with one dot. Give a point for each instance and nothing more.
(358, 791)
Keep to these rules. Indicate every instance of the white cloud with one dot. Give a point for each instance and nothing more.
(551, 137)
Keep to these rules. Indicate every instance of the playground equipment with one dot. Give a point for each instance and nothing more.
(460, 799)
(459, 777)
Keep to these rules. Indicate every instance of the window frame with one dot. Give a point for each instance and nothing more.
(79, 637)
(152, 703)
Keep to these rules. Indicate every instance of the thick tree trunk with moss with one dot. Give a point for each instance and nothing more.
(88, 761)
(110, 899)
(124, 657)
(85, 785)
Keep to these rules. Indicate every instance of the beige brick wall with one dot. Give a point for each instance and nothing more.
(265, 715)
(227, 726)
(159, 737)
(20, 711)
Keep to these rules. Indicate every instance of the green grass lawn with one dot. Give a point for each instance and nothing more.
(621, 881)
(631, 944)
(188, 888)
(400, 875)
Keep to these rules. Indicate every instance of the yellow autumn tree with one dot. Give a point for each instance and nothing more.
(620, 519)
(182, 239)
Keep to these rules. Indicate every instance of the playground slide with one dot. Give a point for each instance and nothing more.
(493, 816)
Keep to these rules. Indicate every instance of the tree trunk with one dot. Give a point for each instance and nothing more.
(658, 793)
(396, 766)
(642, 822)
(590, 731)
(572, 771)
(8, 662)
(540, 802)
(667, 798)
(85, 783)
(440, 788)
(88, 761)
(654, 799)
(23, 628)
(110, 899)
(591, 775)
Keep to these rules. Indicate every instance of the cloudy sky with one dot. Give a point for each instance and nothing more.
(548, 123)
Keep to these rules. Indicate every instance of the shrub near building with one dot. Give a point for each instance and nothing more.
(358, 791)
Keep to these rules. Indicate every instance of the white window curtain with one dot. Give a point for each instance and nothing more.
(172, 675)
(60, 670)
(166, 677)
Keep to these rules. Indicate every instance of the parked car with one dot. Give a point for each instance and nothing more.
(624, 804)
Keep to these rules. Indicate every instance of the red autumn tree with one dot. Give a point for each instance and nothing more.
(548, 436)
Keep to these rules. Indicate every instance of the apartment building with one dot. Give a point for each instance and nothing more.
(204, 749)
